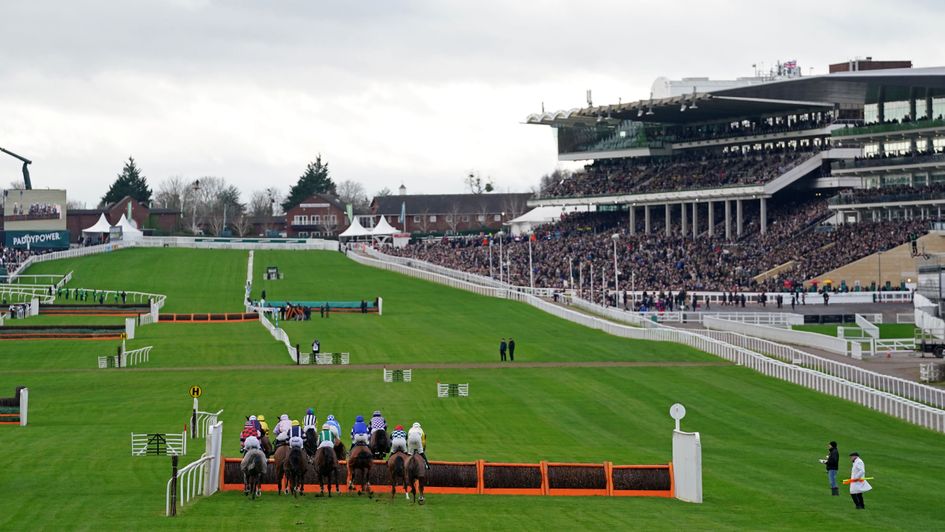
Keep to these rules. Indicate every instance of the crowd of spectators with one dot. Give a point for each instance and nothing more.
(889, 158)
(741, 129)
(890, 193)
(580, 246)
(11, 258)
(694, 171)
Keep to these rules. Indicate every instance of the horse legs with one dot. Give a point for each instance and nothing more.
(421, 481)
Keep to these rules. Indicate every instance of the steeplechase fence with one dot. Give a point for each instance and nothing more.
(14, 410)
(499, 478)
(199, 478)
(924, 415)
(452, 390)
(398, 375)
(158, 444)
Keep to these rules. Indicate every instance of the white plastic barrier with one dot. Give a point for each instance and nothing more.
(911, 411)
(452, 390)
(24, 405)
(687, 466)
(878, 381)
(808, 339)
(235, 243)
(199, 478)
(863, 323)
(205, 420)
(279, 334)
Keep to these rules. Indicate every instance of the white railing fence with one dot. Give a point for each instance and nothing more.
(199, 478)
(206, 420)
(871, 330)
(888, 403)
(277, 333)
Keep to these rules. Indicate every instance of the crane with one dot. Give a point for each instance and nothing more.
(26, 171)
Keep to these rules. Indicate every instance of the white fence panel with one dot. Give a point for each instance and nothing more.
(820, 341)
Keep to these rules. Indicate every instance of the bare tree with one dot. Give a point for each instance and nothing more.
(477, 184)
(243, 224)
(328, 223)
(72, 205)
(483, 217)
(259, 204)
(17, 184)
(171, 192)
(513, 206)
(452, 216)
(354, 193)
(425, 220)
(382, 192)
(549, 181)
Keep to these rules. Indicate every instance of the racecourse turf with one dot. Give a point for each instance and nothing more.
(71, 468)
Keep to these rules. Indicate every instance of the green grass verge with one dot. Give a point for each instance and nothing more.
(192, 280)
(427, 322)
(759, 462)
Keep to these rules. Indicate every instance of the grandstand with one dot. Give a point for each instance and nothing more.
(753, 186)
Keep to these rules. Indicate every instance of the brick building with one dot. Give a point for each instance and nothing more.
(147, 219)
(318, 216)
(451, 213)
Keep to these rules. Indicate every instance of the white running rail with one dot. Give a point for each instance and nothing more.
(888, 403)
(199, 478)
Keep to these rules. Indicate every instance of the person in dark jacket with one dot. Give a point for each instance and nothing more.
(511, 350)
(832, 462)
(502, 347)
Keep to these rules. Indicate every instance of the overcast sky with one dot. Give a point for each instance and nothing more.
(388, 92)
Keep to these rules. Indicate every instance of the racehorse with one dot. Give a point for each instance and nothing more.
(416, 475)
(282, 454)
(295, 467)
(326, 467)
(380, 444)
(266, 445)
(397, 467)
(253, 467)
(311, 443)
(361, 460)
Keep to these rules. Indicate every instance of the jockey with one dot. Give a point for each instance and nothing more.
(326, 438)
(296, 437)
(359, 432)
(378, 422)
(256, 424)
(281, 429)
(335, 426)
(398, 439)
(417, 442)
(252, 442)
(310, 421)
(249, 431)
(263, 426)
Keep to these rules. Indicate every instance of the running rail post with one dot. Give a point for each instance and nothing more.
(173, 510)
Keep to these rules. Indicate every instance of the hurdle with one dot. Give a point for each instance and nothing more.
(325, 359)
(398, 375)
(158, 444)
(13, 410)
(452, 390)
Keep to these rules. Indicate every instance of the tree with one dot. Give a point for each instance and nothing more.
(243, 224)
(171, 192)
(130, 182)
(513, 206)
(17, 184)
(477, 185)
(315, 180)
(354, 193)
(452, 217)
(382, 193)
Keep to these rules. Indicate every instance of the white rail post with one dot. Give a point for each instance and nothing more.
(24, 405)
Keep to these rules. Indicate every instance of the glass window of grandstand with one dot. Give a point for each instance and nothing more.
(432, 217)
(481, 218)
(449, 217)
(497, 217)
(316, 219)
(936, 178)
(303, 234)
(416, 219)
(465, 217)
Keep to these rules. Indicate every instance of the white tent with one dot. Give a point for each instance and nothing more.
(101, 226)
(354, 230)
(383, 228)
(525, 223)
(128, 231)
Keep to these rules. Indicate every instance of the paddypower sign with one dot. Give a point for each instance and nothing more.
(37, 239)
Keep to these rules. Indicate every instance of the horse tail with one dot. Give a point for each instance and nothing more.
(398, 466)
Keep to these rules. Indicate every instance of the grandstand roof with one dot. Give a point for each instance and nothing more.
(797, 94)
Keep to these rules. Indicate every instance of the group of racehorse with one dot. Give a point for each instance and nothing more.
(292, 463)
